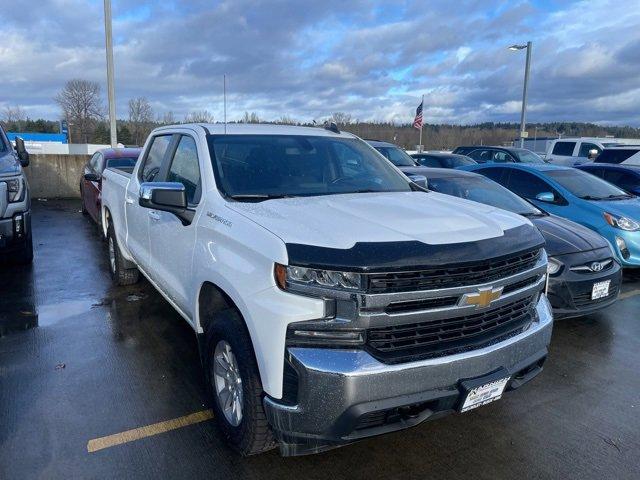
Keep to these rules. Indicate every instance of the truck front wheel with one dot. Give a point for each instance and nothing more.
(235, 386)
(120, 273)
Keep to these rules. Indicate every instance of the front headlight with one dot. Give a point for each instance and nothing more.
(15, 190)
(623, 223)
(553, 266)
(293, 276)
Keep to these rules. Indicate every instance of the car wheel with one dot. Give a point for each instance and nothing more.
(235, 387)
(120, 273)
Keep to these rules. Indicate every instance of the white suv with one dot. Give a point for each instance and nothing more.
(575, 151)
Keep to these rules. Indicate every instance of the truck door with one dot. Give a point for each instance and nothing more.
(171, 242)
(138, 217)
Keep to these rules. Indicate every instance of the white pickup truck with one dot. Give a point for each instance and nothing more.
(332, 298)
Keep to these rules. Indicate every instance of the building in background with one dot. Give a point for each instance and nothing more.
(54, 143)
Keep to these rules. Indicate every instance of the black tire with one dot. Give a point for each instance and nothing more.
(121, 273)
(253, 434)
(25, 255)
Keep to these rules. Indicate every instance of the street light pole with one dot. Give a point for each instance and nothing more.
(527, 67)
(110, 87)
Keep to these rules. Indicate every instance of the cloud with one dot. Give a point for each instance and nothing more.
(373, 59)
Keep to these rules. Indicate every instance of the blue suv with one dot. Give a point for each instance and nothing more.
(578, 196)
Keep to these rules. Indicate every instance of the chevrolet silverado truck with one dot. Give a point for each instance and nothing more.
(16, 244)
(332, 298)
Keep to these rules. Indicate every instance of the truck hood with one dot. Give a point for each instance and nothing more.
(8, 164)
(564, 236)
(340, 221)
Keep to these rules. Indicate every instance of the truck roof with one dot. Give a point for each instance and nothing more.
(260, 129)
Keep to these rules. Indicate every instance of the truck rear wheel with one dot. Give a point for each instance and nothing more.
(235, 387)
(120, 273)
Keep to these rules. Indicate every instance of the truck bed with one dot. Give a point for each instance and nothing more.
(114, 190)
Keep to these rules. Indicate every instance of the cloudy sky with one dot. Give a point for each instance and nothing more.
(309, 58)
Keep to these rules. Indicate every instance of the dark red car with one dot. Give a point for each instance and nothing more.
(91, 181)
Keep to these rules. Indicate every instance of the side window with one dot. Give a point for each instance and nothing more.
(482, 155)
(585, 147)
(429, 162)
(564, 148)
(185, 168)
(495, 174)
(502, 157)
(624, 180)
(527, 185)
(156, 154)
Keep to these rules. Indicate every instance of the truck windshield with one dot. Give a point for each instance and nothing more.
(483, 190)
(258, 167)
(586, 186)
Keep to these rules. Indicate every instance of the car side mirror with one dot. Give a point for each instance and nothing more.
(92, 177)
(546, 197)
(21, 150)
(167, 197)
(593, 153)
(419, 180)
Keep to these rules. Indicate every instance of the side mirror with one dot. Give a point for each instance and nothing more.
(593, 153)
(419, 180)
(167, 197)
(21, 150)
(546, 197)
(92, 177)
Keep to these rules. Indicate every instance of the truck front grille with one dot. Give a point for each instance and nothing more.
(452, 276)
(409, 342)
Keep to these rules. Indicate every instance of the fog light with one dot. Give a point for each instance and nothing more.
(622, 246)
(18, 225)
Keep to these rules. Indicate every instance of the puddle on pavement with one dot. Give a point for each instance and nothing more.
(57, 312)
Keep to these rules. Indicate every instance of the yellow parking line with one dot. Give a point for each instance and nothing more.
(147, 431)
(630, 293)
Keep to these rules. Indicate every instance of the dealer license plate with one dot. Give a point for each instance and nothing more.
(600, 290)
(484, 394)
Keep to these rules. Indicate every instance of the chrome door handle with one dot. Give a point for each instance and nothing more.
(129, 200)
(154, 215)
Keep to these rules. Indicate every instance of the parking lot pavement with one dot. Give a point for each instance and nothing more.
(82, 362)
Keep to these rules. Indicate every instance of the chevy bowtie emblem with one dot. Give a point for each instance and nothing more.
(483, 298)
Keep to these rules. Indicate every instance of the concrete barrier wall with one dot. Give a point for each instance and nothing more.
(55, 176)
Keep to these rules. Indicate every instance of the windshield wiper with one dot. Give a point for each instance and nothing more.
(589, 197)
(622, 196)
(258, 197)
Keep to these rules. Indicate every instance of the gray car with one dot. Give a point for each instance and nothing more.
(15, 203)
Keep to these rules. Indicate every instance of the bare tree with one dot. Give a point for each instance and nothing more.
(14, 118)
(286, 120)
(341, 118)
(140, 119)
(82, 106)
(251, 118)
(199, 116)
(168, 118)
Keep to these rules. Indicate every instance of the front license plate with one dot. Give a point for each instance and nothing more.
(600, 290)
(484, 394)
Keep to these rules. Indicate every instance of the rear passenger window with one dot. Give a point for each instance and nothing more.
(564, 148)
(185, 168)
(156, 154)
(501, 157)
(429, 162)
(482, 156)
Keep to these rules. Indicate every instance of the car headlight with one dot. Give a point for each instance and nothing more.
(15, 190)
(623, 223)
(301, 277)
(553, 266)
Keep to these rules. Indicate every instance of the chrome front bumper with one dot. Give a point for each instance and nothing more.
(340, 391)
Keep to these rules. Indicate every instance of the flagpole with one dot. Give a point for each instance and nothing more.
(420, 143)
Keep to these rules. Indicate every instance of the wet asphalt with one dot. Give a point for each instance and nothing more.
(80, 360)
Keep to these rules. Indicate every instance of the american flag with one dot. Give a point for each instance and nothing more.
(417, 122)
